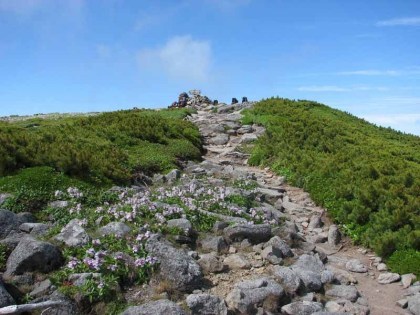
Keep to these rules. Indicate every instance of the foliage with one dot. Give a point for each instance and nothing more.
(405, 261)
(3, 257)
(101, 148)
(368, 177)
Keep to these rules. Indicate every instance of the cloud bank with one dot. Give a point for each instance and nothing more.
(408, 21)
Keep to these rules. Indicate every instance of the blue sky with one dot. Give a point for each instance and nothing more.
(99, 55)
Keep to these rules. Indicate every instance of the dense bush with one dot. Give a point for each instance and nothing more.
(110, 147)
(368, 177)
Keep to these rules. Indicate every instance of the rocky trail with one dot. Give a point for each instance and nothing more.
(273, 252)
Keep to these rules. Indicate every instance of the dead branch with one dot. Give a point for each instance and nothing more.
(16, 309)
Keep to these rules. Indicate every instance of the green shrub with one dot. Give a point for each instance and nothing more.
(405, 261)
(367, 177)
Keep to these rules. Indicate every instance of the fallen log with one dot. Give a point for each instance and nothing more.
(17, 309)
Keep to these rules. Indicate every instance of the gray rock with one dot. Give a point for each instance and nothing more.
(315, 222)
(414, 304)
(334, 235)
(182, 224)
(388, 277)
(73, 234)
(42, 288)
(248, 138)
(5, 298)
(79, 279)
(311, 280)
(118, 229)
(237, 261)
(327, 276)
(257, 233)
(287, 278)
(248, 295)
(403, 303)
(281, 245)
(4, 197)
(9, 221)
(214, 243)
(407, 279)
(346, 292)
(355, 265)
(33, 255)
(309, 262)
(220, 226)
(272, 254)
(175, 265)
(12, 240)
(382, 267)
(244, 129)
(173, 175)
(301, 308)
(66, 307)
(35, 229)
(160, 307)
(210, 263)
(59, 204)
(219, 139)
(206, 304)
(269, 195)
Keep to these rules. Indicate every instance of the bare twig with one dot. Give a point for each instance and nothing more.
(16, 309)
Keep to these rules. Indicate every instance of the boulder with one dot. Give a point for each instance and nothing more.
(206, 304)
(182, 224)
(272, 254)
(309, 262)
(176, 265)
(9, 221)
(315, 222)
(160, 307)
(35, 229)
(355, 265)
(214, 243)
(388, 277)
(407, 279)
(5, 298)
(32, 255)
(346, 292)
(219, 139)
(269, 195)
(334, 235)
(73, 234)
(66, 307)
(414, 304)
(237, 261)
(210, 263)
(248, 295)
(301, 308)
(118, 229)
(287, 278)
(42, 288)
(281, 246)
(173, 175)
(257, 233)
(382, 267)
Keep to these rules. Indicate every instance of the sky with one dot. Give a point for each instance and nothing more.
(101, 55)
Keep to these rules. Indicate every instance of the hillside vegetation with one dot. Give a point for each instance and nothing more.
(38, 156)
(366, 176)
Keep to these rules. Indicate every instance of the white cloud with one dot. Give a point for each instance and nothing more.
(409, 21)
(333, 88)
(393, 119)
(181, 57)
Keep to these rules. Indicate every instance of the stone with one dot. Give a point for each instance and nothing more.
(73, 234)
(246, 296)
(333, 307)
(403, 303)
(183, 224)
(237, 261)
(334, 235)
(160, 307)
(210, 263)
(281, 246)
(173, 175)
(327, 276)
(59, 204)
(389, 277)
(256, 233)
(66, 307)
(244, 129)
(248, 138)
(301, 308)
(206, 304)
(33, 255)
(407, 279)
(79, 279)
(9, 222)
(272, 254)
(220, 226)
(219, 139)
(309, 262)
(269, 195)
(42, 288)
(5, 298)
(214, 243)
(4, 197)
(315, 222)
(118, 229)
(354, 265)
(287, 278)
(346, 292)
(342, 276)
(35, 229)
(414, 304)
(311, 280)
(382, 267)
(175, 265)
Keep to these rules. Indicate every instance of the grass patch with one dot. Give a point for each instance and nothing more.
(405, 261)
